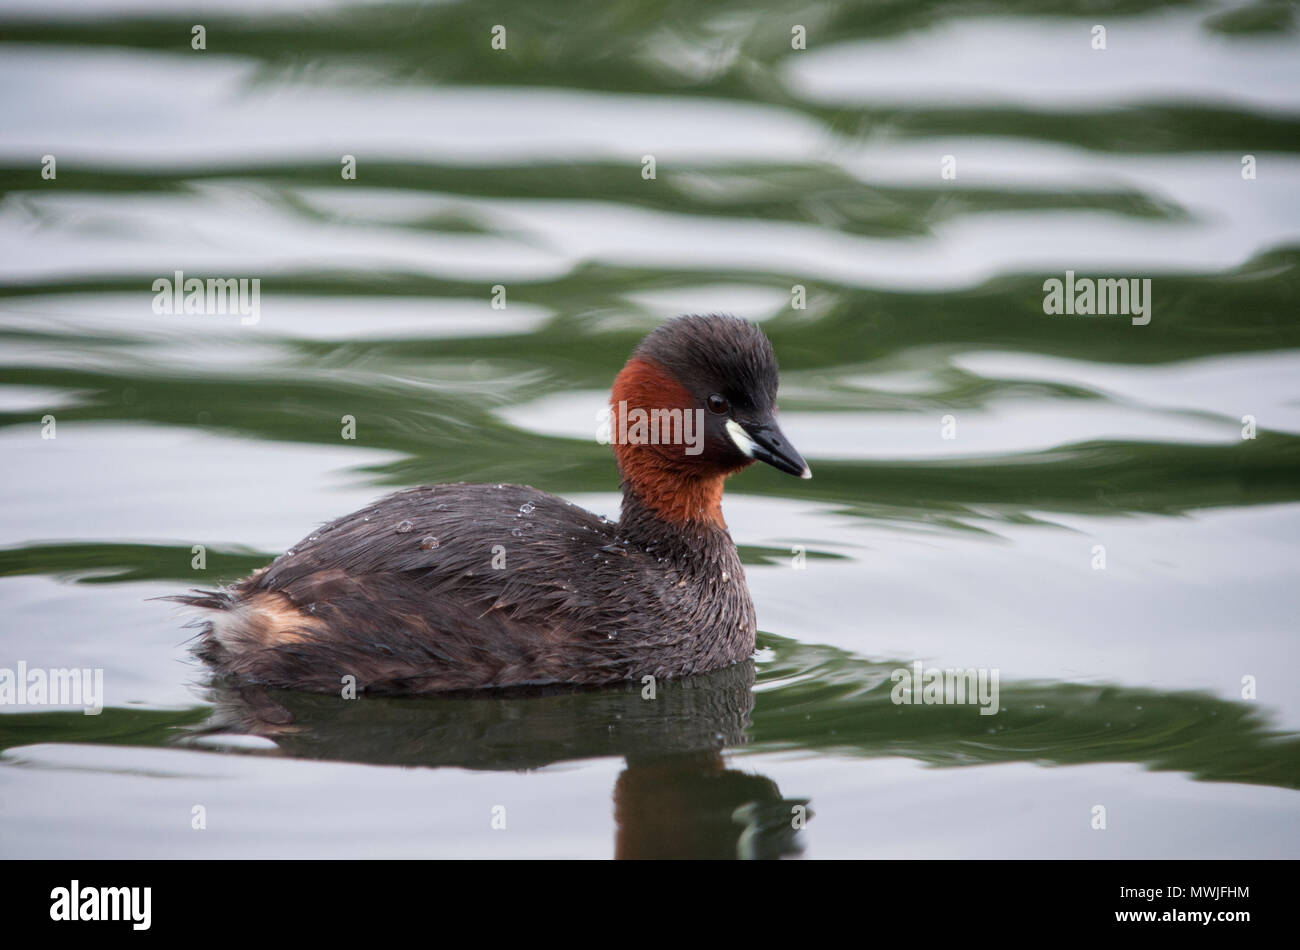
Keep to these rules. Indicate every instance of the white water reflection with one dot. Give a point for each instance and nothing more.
(1163, 57)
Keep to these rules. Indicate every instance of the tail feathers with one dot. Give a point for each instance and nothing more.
(209, 599)
(247, 621)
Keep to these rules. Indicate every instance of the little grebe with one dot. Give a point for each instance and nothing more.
(464, 586)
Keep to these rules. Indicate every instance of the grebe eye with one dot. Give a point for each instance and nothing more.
(718, 404)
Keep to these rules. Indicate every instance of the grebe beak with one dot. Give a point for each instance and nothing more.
(765, 442)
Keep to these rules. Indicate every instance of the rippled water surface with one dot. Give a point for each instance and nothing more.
(1120, 686)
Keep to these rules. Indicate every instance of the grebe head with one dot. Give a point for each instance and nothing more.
(695, 403)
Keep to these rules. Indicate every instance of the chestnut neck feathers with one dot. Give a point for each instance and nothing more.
(663, 479)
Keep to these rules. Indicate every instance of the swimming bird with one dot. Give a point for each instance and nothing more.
(476, 586)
